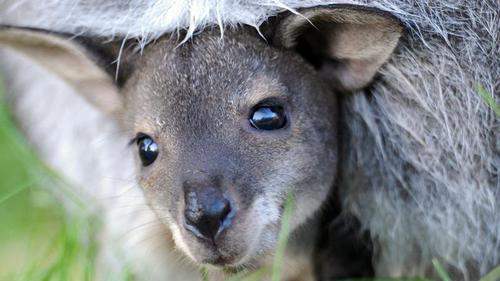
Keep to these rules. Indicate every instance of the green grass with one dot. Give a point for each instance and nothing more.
(488, 98)
(283, 238)
(440, 270)
(40, 241)
(494, 275)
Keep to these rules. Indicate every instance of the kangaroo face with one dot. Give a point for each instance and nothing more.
(224, 130)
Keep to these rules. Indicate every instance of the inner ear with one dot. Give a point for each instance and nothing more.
(347, 44)
(310, 45)
(116, 57)
(94, 67)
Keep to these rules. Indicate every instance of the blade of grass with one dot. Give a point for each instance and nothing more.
(15, 192)
(204, 274)
(488, 99)
(494, 275)
(283, 238)
(440, 270)
(257, 275)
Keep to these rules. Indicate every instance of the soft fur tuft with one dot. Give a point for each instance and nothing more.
(422, 169)
(146, 20)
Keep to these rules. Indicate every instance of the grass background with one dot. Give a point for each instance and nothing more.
(27, 220)
(40, 241)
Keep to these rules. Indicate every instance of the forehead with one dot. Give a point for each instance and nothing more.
(207, 78)
(208, 63)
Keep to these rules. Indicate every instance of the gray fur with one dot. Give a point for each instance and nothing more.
(427, 136)
(424, 135)
(204, 91)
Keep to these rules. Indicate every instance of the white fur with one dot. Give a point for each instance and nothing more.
(425, 131)
(144, 19)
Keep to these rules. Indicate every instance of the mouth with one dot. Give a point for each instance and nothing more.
(222, 261)
(215, 255)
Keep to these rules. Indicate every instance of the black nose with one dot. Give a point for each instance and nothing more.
(208, 212)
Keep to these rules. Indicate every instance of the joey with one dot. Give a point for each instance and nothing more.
(224, 129)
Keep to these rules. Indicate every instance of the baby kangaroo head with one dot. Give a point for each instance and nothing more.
(225, 129)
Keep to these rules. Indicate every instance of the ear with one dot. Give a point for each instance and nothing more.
(346, 43)
(83, 64)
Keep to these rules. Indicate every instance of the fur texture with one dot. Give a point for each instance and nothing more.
(423, 161)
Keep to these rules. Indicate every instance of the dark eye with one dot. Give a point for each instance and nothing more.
(268, 117)
(148, 150)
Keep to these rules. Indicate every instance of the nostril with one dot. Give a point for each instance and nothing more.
(207, 214)
(219, 209)
(227, 209)
(223, 215)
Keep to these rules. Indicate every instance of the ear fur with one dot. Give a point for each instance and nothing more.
(346, 43)
(72, 61)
